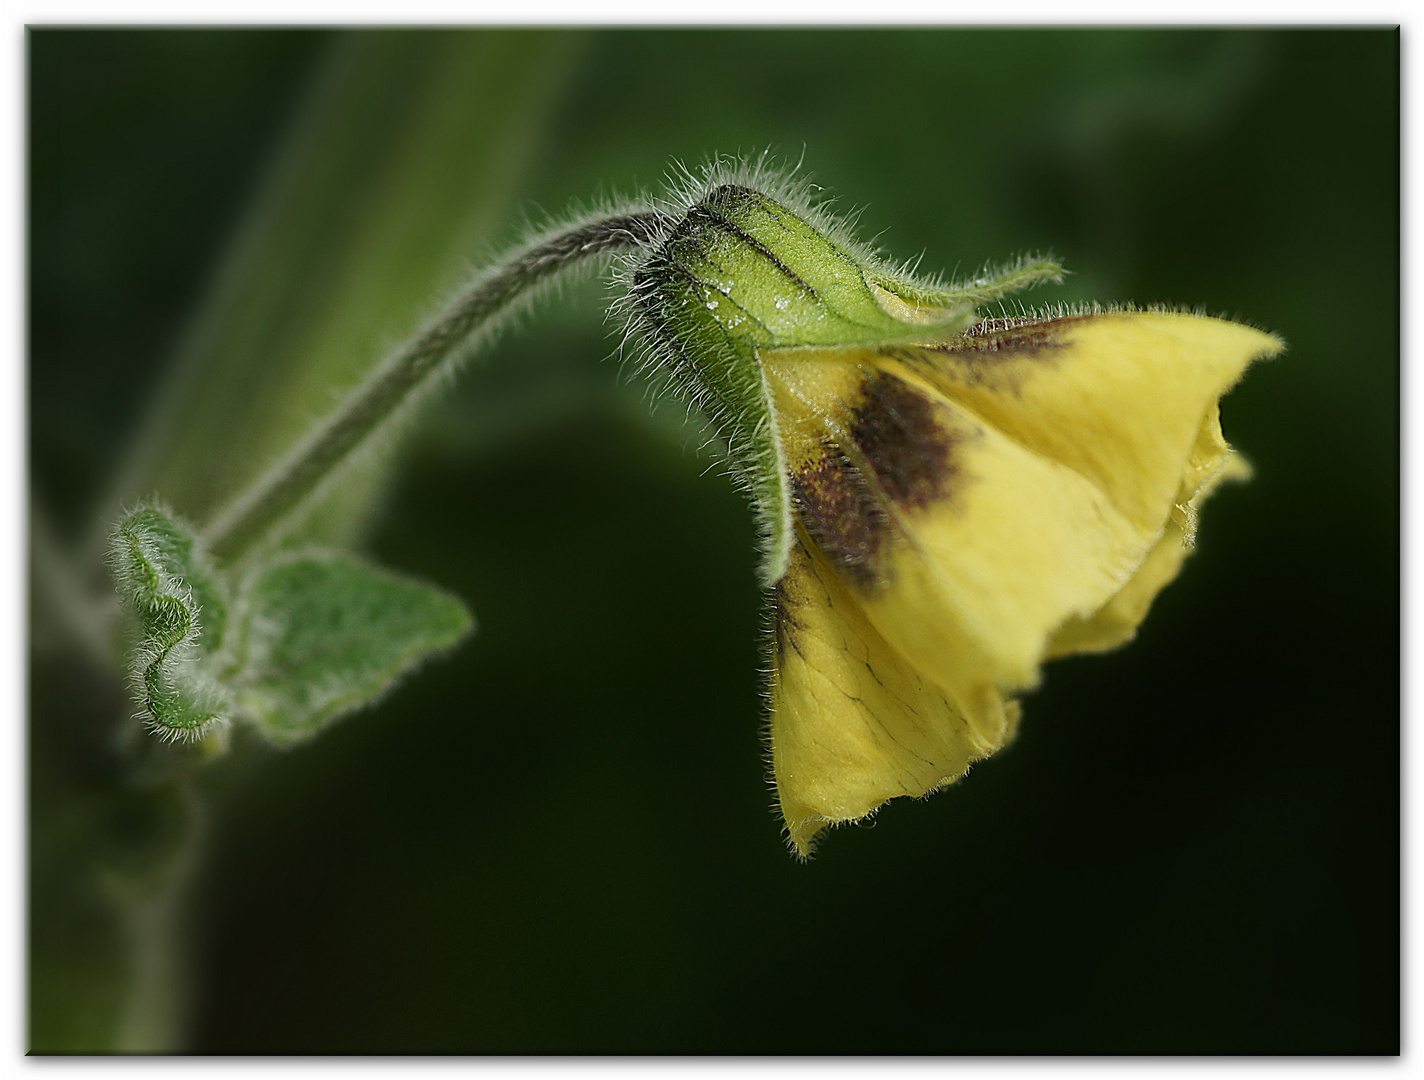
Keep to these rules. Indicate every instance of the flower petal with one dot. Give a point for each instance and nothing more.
(1121, 398)
(980, 498)
(965, 513)
(1212, 462)
(965, 549)
(853, 724)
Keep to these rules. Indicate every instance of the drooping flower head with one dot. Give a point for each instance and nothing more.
(945, 500)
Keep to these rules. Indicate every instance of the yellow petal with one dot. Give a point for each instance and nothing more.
(964, 513)
(852, 723)
(1116, 622)
(1211, 462)
(1121, 398)
(964, 549)
(1012, 483)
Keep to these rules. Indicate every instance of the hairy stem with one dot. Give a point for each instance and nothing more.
(276, 497)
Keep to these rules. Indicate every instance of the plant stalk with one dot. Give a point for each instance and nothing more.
(256, 515)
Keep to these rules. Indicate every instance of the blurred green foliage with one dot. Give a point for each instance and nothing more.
(559, 838)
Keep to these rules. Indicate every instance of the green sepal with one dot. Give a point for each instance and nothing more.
(176, 607)
(933, 305)
(322, 635)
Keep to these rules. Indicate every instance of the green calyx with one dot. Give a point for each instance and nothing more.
(741, 273)
(743, 267)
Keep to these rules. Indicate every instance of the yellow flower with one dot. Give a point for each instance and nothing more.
(947, 501)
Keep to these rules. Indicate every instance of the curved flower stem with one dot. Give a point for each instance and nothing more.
(275, 498)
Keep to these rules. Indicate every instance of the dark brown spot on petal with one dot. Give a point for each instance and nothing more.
(987, 354)
(1020, 336)
(905, 440)
(841, 513)
(900, 453)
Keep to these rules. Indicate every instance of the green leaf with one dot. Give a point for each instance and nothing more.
(324, 635)
(175, 603)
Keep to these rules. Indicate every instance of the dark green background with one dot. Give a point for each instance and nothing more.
(560, 838)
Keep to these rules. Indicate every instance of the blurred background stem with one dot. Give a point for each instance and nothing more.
(384, 191)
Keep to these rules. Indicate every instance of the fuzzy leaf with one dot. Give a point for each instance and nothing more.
(325, 635)
(176, 606)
